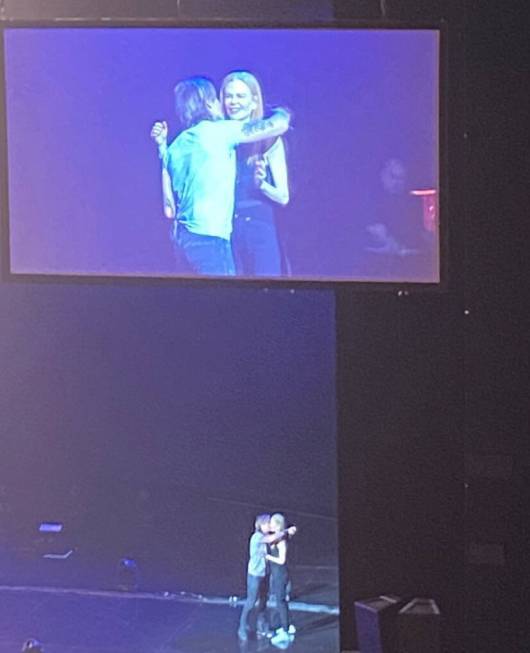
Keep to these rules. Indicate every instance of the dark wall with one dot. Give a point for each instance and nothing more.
(496, 333)
(401, 451)
(472, 346)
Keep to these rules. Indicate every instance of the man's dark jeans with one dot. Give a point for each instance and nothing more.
(206, 254)
(257, 590)
(256, 248)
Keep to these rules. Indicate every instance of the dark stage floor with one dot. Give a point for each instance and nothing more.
(70, 621)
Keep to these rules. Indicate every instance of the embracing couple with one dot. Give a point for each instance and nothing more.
(223, 175)
(268, 560)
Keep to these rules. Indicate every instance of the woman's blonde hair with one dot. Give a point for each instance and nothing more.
(255, 149)
(254, 87)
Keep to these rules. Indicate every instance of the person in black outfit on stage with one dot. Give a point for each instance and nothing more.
(279, 581)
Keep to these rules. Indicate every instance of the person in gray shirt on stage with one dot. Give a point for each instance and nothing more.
(199, 172)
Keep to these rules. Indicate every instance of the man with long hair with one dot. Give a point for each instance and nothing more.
(199, 171)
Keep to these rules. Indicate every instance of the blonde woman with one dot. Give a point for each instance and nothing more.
(261, 182)
(279, 580)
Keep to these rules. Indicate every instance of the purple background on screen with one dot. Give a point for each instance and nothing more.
(84, 175)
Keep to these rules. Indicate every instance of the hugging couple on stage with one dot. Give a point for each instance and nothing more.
(267, 569)
(223, 175)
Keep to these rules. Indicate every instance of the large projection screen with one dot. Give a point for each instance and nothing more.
(350, 192)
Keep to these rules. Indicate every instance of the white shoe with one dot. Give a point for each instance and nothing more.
(292, 629)
(281, 639)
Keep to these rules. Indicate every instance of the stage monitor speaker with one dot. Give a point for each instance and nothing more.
(419, 627)
(376, 624)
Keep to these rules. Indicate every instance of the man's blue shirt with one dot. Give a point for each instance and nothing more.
(202, 165)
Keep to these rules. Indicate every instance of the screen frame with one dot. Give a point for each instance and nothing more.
(402, 287)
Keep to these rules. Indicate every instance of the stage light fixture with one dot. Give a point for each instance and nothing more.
(127, 575)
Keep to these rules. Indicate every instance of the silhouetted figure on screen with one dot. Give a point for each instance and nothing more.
(397, 237)
(399, 221)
